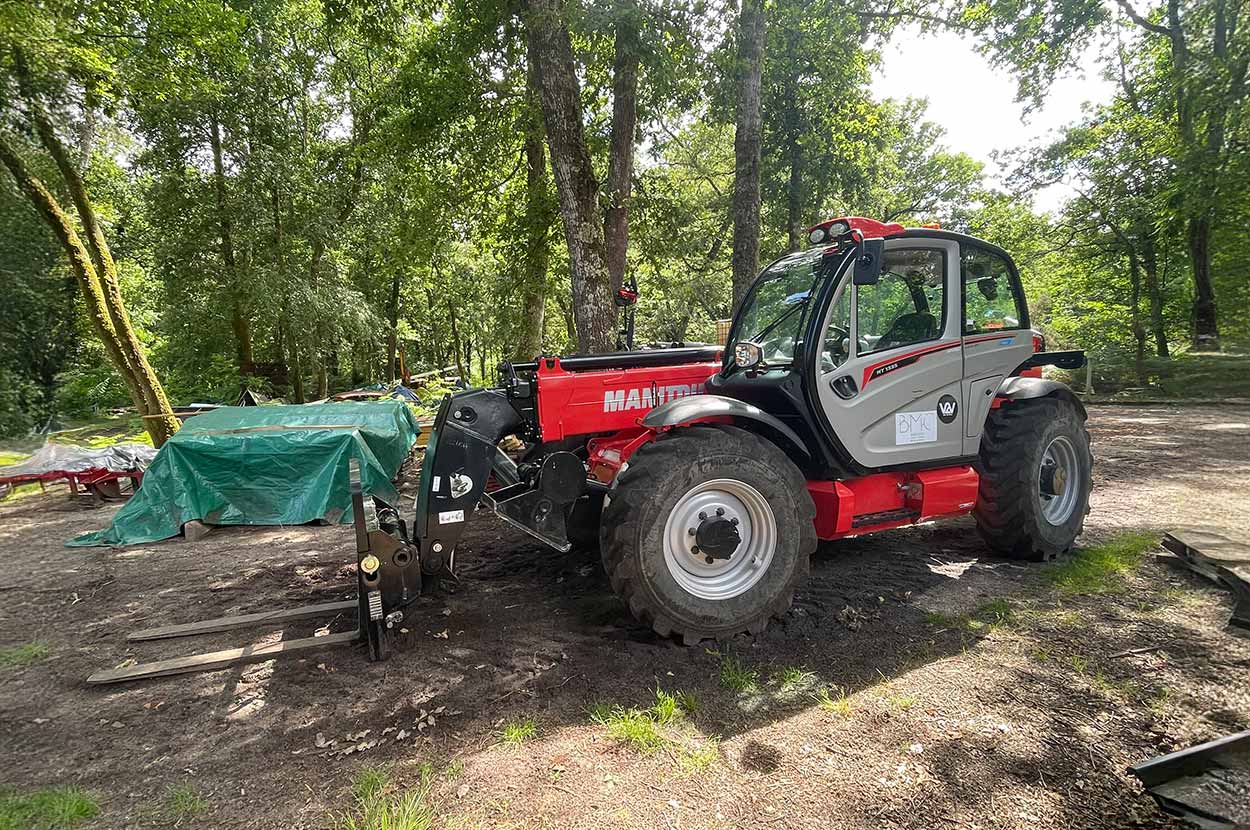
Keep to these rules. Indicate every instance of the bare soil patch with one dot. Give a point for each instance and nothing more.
(957, 690)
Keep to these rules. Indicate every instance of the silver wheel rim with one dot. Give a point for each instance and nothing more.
(757, 527)
(1061, 458)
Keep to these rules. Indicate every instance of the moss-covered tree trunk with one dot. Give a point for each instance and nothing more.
(104, 304)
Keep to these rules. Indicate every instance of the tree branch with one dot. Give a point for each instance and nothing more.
(1134, 16)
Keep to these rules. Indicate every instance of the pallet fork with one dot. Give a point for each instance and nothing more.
(388, 578)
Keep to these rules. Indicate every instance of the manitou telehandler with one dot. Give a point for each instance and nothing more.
(884, 377)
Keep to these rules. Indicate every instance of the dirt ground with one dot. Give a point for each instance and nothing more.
(930, 722)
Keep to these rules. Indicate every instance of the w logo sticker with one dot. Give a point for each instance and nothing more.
(947, 409)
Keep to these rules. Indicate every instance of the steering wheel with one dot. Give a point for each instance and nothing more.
(778, 349)
(835, 352)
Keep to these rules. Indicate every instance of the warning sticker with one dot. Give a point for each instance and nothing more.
(450, 517)
(915, 427)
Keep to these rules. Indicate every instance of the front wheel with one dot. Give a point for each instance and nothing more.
(1036, 475)
(708, 532)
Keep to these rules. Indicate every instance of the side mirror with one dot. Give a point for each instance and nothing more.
(868, 262)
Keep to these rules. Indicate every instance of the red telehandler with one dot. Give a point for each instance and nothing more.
(885, 376)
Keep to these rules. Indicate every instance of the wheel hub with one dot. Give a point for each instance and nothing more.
(1054, 479)
(717, 537)
(1060, 463)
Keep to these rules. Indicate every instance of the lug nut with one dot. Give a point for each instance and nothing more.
(690, 530)
(710, 560)
(694, 548)
(720, 511)
(733, 522)
(702, 515)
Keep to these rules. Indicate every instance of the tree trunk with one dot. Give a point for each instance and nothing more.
(621, 148)
(794, 157)
(1206, 329)
(794, 196)
(156, 406)
(577, 189)
(1139, 330)
(392, 337)
(158, 416)
(240, 324)
(121, 347)
(745, 206)
(1150, 264)
(538, 216)
(295, 371)
(455, 342)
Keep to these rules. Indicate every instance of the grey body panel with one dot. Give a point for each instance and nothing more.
(989, 358)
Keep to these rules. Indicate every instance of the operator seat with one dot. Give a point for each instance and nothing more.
(913, 327)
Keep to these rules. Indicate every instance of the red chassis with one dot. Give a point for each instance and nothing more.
(612, 401)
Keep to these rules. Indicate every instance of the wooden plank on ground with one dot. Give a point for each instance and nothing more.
(213, 660)
(230, 623)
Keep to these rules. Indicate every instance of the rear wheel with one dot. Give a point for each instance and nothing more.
(1036, 475)
(707, 533)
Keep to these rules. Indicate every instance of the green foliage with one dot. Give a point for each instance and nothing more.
(834, 699)
(380, 804)
(985, 618)
(60, 808)
(737, 677)
(657, 727)
(184, 801)
(373, 183)
(1100, 569)
(23, 655)
(518, 732)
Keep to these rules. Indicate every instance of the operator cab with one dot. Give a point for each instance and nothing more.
(883, 367)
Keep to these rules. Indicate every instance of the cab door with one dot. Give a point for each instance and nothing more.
(996, 333)
(890, 376)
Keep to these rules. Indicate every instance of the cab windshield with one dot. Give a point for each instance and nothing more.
(775, 312)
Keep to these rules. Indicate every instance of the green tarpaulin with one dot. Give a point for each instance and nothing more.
(264, 465)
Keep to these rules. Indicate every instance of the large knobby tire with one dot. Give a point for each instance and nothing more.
(1024, 444)
(665, 487)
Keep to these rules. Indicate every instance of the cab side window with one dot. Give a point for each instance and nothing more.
(992, 298)
(908, 303)
(837, 347)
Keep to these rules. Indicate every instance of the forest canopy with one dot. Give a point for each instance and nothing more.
(297, 196)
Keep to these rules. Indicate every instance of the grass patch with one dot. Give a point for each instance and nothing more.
(636, 728)
(7, 458)
(60, 808)
(793, 679)
(694, 759)
(381, 806)
(982, 620)
(653, 728)
(23, 655)
(900, 702)
(518, 732)
(184, 801)
(834, 699)
(689, 703)
(736, 677)
(1101, 568)
(1160, 699)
